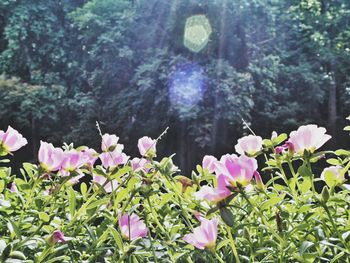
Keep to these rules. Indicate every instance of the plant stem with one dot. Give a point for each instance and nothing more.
(155, 218)
(150, 239)
(284, 177)
(274, 233)
(295, 176)
(219, 258)
(232, 243)
(335, 229)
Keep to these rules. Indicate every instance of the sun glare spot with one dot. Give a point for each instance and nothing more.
(186, 88)
(197, 32)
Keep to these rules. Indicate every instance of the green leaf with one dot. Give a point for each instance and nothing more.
(83, 190)
(330, 178)
(44, 217)
(333, 161)
(273, 200)
(280, 138)
(343, 152)
(14, 229)
(212, 210)
(305, 185)
(227, 216)
(98, 203)
(72, 201)
(304, 171)
(305, 246)
(267, 143)
(117, 238)
(2, 185)
(121, 195)
(122, 171)
(223, 243)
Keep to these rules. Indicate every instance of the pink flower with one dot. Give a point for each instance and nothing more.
(279, 149)
(12, 140)
(214, 194)
(73, 160)
(110, 143)
(198, 216)
(13, 188)
(333, 175)
(50, 158)
(237, 169)
(205, 235)
(258, 180)
(147, 146)
(90, 156)
(249, 145)
(75, 179)
(138, 164)
(308, 137)
(132, 226)
(209, 163)
(109, 187)
(113, 159)
(57, 236)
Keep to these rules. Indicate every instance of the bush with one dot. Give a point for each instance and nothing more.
(72, 208)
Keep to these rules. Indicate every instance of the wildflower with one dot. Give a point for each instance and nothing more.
(209, 163)
(110, 143)
(11, 140)
(75, 179)
(258, 180)
(90, 156)
(147, 146)
(333, 176)
(279, 149)
(13, 188)
(184, 181)
(249, 145)
(132, 226)
(198, 216)
(113, 159)
(274, 135)
(138, 164)
(205, 235)
(214, 194)
(72, 161)
(50, 158)
(109, 187)
(308, 137)
(57, 236)
(237, 170)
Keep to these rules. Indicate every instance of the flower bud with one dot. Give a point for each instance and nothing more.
(57, 236)
(325, 194)
(259, 183)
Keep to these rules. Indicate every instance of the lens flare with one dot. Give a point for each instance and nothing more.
(197, 32)
(186, 87)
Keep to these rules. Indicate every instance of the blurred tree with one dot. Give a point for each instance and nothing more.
(124, 63)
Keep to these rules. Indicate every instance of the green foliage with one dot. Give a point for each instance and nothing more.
(287, 220)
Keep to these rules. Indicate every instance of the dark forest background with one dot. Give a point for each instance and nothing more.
(67, 64)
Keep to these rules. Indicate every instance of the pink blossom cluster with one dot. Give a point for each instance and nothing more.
(231, 171)
(306, 138)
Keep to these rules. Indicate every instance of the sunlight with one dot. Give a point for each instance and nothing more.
(187, 85)
(197, 32)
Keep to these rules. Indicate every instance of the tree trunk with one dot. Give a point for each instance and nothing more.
(332, 106)
(34, 137)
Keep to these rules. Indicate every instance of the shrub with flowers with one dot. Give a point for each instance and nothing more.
(259, 205)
